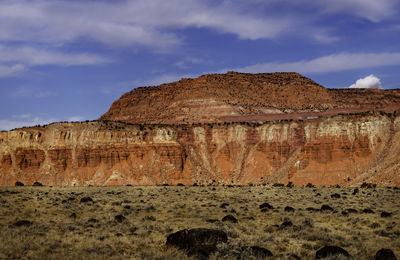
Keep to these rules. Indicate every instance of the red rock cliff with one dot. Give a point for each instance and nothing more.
(341, 149)
(244, 97)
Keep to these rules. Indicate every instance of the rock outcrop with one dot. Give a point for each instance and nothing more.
(341, 149)
(237, 97)
(232, 128)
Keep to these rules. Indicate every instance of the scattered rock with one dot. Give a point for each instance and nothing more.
(119, 218)
(22, 223)
(385, 214)
(352, 210)
(326, 208)
(368, 211)
(86, 199)
(385, 254)
(230, 218)
(92, 220)
(335, 196)
(286, 224)
(289, 209)
(266, 205)
(334, 252)
(199, 241)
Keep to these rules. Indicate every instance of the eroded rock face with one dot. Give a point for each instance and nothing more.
(342, 149)
(235, 97)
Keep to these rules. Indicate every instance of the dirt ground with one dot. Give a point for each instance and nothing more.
(133, 222)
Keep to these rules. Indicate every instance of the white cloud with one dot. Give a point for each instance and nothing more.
(368, 82)
(6, 71)
(23, 120)
(334, 62)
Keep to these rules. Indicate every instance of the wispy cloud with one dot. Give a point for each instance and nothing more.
(32, 92)
(75, 118)
(126, 23)
(373, 10)
(23, 120)
(11, 70)
(330, 63)
(34, 56)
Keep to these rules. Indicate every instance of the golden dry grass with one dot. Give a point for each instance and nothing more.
(151, 213)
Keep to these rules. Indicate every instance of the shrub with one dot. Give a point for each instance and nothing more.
(310, 185)
(18, 183)
(278, 185)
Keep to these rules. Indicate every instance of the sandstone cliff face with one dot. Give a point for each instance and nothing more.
(341, 149)
(244, 97)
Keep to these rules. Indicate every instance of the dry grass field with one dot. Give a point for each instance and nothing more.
(133, 222)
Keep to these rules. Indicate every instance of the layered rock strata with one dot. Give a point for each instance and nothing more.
(339, 149)
(237, 97)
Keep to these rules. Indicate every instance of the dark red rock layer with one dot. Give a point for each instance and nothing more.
(345, 150)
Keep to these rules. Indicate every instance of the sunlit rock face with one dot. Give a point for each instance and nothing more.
(341, 149)
(240, 97)
(233, 128)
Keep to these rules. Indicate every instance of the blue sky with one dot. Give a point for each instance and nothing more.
(69, 60)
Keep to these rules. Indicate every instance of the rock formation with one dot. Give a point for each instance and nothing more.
(280, 128)
(244, 97)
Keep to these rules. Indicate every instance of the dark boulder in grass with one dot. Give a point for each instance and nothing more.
(368, 211)
(86, 199)
(385, 214)
(119, 218)
(385, 254)
(332, 253)
(229, 218)
(201, 242)
(289, 209)
(266, 205)
(326, 208)
(21, 223)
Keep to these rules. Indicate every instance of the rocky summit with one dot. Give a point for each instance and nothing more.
(232, 128)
